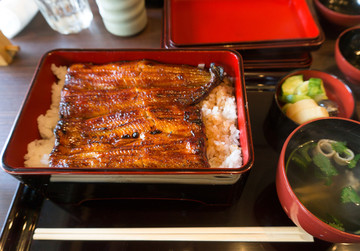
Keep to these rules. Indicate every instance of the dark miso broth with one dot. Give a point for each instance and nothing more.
(328, 187)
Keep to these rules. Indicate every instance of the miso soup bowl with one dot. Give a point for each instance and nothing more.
(278, 126)
(340, 13)
(347, 55)
(340, 129)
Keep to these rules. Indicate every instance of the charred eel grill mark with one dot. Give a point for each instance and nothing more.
(138, 114)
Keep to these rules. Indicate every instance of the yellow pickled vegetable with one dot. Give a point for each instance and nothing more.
(305, 110)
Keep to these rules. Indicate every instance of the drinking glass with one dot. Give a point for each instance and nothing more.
(66, 16)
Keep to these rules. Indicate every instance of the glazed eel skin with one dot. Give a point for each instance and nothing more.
(133, 114)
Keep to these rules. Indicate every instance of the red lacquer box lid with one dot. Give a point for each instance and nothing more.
(240, 24)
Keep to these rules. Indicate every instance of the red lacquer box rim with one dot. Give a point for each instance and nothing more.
(37, 101)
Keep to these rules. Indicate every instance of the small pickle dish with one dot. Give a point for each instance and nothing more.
(71, 185)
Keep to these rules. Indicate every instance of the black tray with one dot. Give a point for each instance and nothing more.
(257, 206)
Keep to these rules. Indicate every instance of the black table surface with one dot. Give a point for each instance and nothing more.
(257, 206)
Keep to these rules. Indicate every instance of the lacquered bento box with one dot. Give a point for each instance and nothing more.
(73, 185)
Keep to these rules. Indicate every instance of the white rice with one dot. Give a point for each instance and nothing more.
(39, 150)
(218, 114)
(220, 119)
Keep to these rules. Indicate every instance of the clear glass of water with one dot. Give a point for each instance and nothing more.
(66, 16)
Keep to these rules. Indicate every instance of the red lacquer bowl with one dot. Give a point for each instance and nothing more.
(334, 128)
(340, 13)
(347, 54)
(279, 126)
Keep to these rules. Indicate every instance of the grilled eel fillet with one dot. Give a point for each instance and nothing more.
(134, 114)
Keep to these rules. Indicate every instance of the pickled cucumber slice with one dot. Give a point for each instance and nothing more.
(316, 89)
(302, 89)
(294, 98)
(290, 84)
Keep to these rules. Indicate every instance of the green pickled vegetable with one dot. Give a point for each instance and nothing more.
(290, 84)
(295, 89)
(316, 89)
(294, 98)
